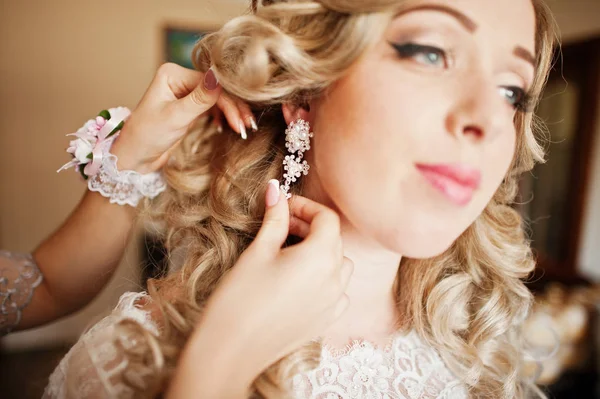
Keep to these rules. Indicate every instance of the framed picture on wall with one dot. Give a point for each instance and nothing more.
(178, 43)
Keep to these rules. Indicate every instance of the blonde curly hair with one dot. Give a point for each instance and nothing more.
(468, 303)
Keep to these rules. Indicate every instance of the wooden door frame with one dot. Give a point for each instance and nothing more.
(585, 58)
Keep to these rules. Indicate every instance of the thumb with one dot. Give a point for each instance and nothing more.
(275, 227)
(201, 99)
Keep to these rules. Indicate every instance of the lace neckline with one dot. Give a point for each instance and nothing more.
(357, 343)
(405, 368)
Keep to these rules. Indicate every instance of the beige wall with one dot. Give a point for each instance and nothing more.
(578, 19)
(62, 61)
(55, 73)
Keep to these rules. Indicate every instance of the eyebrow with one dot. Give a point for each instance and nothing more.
(471, 26)
(526, 55)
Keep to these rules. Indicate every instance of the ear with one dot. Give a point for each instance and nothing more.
(293, 112)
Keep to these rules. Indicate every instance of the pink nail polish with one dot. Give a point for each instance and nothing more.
(272, 196)
(210, 80)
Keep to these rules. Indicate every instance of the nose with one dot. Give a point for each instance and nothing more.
(476, 112)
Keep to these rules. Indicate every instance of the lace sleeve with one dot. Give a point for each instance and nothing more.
(94, 366)
(19, 276)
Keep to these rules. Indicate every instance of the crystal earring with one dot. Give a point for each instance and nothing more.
(297, 140)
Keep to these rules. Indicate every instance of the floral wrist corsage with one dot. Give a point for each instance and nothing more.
(92, 158)
(94, 140)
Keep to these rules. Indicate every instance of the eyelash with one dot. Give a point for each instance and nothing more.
(410, 50)
(524, 102)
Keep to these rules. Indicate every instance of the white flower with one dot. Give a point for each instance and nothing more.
(365, 373)
(81, 148)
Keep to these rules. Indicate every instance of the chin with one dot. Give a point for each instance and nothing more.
(418, 245)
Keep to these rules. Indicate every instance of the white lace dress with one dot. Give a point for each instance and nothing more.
(406, 369)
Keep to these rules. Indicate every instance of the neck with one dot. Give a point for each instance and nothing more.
(371, 313)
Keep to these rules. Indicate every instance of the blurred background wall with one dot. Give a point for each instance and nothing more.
(61, 61)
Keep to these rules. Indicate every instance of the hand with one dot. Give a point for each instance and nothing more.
(175, 98)
(274, 300)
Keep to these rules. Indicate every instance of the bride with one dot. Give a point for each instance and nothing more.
(398, 129)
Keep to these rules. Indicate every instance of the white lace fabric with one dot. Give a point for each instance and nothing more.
(407, 369)
(94, 367)
(19, 276)
(125, 187)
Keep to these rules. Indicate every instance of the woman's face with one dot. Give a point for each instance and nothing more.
(413, 143)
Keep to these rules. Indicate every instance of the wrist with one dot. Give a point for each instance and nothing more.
(228, 365)
(128, 155)
(97, 150)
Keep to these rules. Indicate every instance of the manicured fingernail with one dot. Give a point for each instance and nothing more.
(272, 197)
(210, 80)
(243, 130)
(253, 123)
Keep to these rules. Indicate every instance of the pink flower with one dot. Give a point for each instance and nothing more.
(100, 121)
(92, 142)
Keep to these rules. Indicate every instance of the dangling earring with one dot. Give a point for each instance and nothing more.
(297, 140)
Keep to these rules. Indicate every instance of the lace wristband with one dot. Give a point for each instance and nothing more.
(124, 187)
(92, 159)
(19, 276)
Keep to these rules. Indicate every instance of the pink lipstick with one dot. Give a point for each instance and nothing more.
(456, 182)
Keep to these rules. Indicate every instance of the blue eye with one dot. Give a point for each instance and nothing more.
(516, 97)
(428, 55)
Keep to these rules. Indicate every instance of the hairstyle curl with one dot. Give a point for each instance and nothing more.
(468, 303)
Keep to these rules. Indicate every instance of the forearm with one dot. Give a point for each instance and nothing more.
(79, 258)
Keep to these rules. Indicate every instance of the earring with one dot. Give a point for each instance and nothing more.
(297, 140)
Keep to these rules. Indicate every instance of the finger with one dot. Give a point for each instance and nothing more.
(247, 115)
(199, 100)
(341, 306)
(178, 81)
(217, 116)
(232, 114)
(299, 227)
(346, 271)
(275, 228)
(323, 221)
